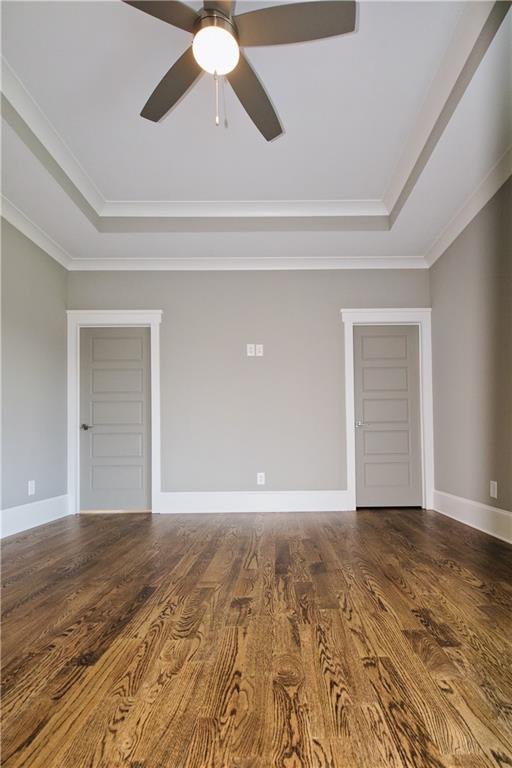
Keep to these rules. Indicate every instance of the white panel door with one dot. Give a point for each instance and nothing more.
(387, 412)
(115, 419)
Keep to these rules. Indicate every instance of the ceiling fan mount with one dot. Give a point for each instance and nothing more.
(211, 17)
(205, 14)
(218, 40)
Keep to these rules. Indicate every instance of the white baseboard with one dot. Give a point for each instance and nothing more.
(251, 501)
(492, 520)
(25, 516)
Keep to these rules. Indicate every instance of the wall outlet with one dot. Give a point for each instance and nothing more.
(493, 489)
(31, 487)
(250, 350)
(259, 350)
(260, 478)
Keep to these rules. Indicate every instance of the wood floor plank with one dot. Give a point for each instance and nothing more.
(369, 639)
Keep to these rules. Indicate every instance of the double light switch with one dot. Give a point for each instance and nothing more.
(255, 350)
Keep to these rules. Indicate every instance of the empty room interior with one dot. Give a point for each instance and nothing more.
(256, 384)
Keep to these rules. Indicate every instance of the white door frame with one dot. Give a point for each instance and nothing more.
(115, 318)
(422, 319)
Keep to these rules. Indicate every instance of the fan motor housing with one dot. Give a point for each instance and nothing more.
(214, 18)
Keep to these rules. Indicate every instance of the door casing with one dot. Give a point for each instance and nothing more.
(421, 317)
(118, 319)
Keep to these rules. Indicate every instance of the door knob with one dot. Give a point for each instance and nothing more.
(360, 424)
(85, 427)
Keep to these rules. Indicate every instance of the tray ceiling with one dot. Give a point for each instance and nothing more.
(353, 181)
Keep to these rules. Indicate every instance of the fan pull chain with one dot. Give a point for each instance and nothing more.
(216, 79)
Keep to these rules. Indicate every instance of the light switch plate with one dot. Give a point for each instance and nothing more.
(259, 350)
(31, 487)
(260, 478)
(493, 489)
(250, 350)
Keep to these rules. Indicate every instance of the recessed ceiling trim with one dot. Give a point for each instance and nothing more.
(217, 216)
(240, 264)
(476, 30)
(33, 116)
(126, 224)
(474, 35)
(242, 208)
(479, 23)
(494, 180)
(40, 238)
(359, 215)
(473, 18)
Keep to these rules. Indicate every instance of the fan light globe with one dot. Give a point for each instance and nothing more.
(215, 50)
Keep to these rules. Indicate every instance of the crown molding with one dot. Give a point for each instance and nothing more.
(475, 32)
(38, 236)
(242, 208)
(473, 17)
(477, 200)
(210, 224)
(36, 120)
(242, 264)
(494, 180)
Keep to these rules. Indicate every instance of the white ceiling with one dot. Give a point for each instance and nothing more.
(351, 107)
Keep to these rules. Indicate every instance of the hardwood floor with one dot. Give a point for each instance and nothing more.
(354, 640)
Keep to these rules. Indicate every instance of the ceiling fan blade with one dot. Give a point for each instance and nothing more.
(224, 6)
(253, 98)
(172, 87)
(296, 22)
(177, 14)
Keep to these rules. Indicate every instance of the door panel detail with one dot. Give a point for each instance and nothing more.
(386, 392)
(115, 402)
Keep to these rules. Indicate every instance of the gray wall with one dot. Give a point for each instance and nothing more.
(225, 416)
(33, 371)
(471, 289)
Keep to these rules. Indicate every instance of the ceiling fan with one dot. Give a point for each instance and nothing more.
(218, 37)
